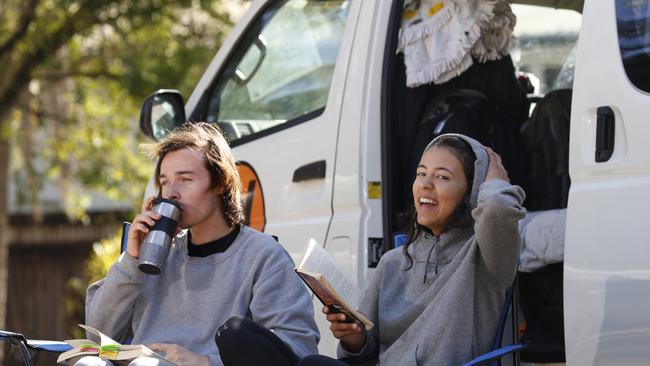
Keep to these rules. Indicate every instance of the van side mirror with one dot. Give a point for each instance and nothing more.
(250, 63)
(161, 113)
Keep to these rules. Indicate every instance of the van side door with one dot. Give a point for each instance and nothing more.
(607, 256)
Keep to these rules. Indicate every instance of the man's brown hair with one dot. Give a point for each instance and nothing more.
(208, 140)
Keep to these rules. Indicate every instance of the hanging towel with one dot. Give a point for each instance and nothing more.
(439, 38)
(422, 18)
(497, 35)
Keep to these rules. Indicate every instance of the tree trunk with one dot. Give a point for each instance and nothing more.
(4, 232)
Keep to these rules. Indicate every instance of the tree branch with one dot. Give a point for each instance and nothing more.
(54, 77)
(27, 16)
(217, 15)
(46, 47)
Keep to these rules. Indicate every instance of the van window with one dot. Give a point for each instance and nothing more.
(633, 22)
(545, 45)
(282, 73)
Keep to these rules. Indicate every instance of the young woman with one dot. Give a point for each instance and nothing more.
(437, 300)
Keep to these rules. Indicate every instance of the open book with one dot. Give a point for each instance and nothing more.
(321, 274)
(108, 349)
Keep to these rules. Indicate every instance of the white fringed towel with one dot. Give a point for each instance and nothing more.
(440, 38)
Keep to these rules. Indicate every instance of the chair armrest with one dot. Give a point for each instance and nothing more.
(496, 354)
(52, 346)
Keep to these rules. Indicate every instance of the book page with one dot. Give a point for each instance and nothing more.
(131, 351)
(317, 260)
(104, 339)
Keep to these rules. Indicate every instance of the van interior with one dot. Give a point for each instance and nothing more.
(520, 106)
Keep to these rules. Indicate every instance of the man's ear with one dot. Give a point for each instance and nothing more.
(219, 190)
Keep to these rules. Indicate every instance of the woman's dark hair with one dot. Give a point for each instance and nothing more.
(462, 216)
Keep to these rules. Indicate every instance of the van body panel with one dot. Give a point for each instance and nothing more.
(607, 253)
(360, 136)
(353, 211)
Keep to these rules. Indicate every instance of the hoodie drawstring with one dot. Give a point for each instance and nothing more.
(435, 260)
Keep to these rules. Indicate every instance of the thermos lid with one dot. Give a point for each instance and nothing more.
(168, 209)
(171, 202)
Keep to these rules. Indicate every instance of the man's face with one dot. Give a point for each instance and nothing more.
(184, 178)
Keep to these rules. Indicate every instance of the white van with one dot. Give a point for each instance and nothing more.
(311, 96)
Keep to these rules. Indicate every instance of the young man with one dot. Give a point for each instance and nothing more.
(217, 268)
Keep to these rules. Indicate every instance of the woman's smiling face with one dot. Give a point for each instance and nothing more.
(439, 187)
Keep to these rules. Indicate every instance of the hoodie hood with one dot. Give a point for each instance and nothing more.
(480, 164)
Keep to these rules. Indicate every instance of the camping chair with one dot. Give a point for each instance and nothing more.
(493, 358)
(24, 352)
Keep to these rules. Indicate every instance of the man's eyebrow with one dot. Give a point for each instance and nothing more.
(180, 172)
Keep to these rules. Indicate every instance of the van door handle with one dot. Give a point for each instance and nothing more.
(315, 170)
(605, 132)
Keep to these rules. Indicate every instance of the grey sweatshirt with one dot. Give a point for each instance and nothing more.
(194, 296)
(453, 316)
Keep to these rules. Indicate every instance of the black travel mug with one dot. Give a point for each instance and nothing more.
(155, 247)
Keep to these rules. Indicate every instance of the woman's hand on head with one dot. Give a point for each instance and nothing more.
(180, 355)
(140, 226)
(351, 335)
(495, 167)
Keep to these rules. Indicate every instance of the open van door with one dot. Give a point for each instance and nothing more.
(607, 257)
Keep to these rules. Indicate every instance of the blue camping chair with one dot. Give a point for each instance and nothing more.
(493, 358)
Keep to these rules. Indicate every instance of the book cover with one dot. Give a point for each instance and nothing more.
(329, 284)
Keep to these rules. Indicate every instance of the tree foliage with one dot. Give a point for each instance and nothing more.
(103, 255)
(112, 38)
(72, 76)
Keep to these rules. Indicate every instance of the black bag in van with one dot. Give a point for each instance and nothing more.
(541, 293)
(469, 112)
(546, 135)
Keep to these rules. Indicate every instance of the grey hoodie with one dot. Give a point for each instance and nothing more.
(453, 317)
(194, 296)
